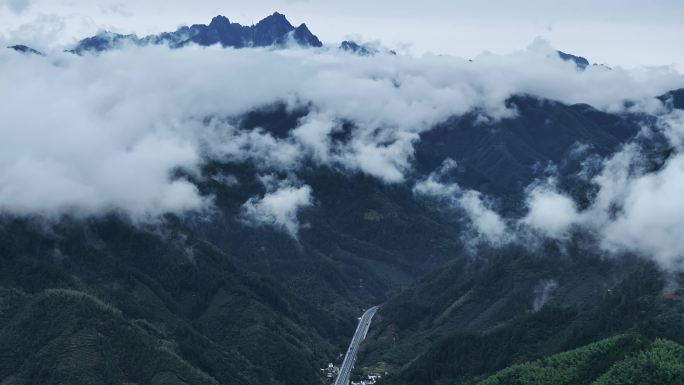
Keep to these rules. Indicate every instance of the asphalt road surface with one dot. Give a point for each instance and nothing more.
(359, 336)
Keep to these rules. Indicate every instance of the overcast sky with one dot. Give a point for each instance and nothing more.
(617, 32)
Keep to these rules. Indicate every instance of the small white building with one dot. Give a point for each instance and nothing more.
(331, 371)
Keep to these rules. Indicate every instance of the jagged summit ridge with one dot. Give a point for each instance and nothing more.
(274, 30)
(581, 62)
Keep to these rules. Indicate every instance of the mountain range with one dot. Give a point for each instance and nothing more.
(274, 30)
(250, 306)
(211, 299)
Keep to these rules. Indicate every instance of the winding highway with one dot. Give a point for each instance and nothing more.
(359, 336)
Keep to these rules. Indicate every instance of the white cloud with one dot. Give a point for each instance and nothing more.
(313, 134)
(385, 161)
(542, 293)
(135, 180)
(484, 221)
(434, 187)
(672, 125)
(278, 208)
(550, 212)
(651, 219)
(640, 210)
(635, 209)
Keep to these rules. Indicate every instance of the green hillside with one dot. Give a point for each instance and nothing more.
(465, 324)
(620, 360)
(233, 325)
(64, 336)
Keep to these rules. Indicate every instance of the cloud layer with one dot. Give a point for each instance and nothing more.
(88, 135)
(635, 208)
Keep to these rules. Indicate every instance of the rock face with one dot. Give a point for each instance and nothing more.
(274, 30)
(354, 47)
(25, 50)
(675, 98)
(581, 62)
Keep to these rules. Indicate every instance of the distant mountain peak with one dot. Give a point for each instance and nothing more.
(276, 16)
(581, 62)
(276, 19)
(274, 30)
(219, 20)
(356, 48)
(674, 98)
(304, 37)
(25, 50)
(367, 49)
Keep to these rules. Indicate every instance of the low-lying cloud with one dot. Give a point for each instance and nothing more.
(278, 207)
(636, 209)
(88, 135)
(484, 222)
(542, 293)
(549, 212)
(635, 206)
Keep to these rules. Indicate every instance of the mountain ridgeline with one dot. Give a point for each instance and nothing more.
(25, 50)
(274, 30)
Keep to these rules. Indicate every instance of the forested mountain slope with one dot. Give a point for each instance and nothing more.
(225, 216)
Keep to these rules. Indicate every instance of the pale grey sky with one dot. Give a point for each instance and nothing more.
(629, 33)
